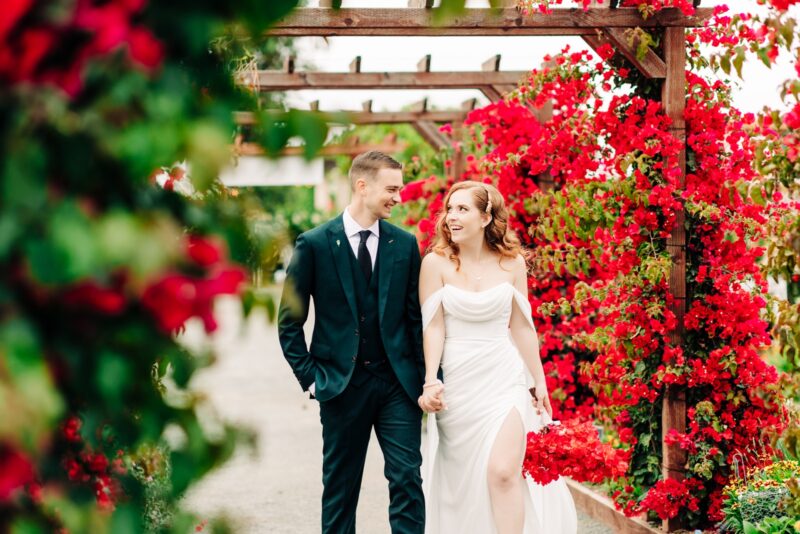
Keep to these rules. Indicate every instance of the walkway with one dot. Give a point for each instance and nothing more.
(276, 488)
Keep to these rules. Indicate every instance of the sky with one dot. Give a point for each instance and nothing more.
(379, 54)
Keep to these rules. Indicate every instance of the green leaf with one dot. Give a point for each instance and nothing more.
(738, 61)
(750, 528)
(311, 127)
(113, 371)
(725, 64)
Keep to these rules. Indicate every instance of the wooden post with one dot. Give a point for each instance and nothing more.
(673, 412)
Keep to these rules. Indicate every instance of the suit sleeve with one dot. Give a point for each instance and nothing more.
(293, 312)
(413, 311)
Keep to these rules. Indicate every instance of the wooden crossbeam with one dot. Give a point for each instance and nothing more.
(651, 65)
(492, 64)
(272, 80)
(246, 118)
(507, 21)
(344, 149)
(424, 64)
(431, 134)
(355, 65)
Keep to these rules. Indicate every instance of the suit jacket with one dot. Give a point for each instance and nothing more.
(320, 269)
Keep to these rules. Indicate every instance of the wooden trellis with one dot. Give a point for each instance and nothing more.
(596, 26)
(490, 80)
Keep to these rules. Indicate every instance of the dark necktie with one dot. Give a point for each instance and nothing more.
(364, 259)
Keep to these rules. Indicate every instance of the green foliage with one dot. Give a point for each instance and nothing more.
(85, 235)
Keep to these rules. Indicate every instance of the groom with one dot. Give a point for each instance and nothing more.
(365, 363)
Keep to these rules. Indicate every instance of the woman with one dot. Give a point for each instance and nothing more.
(474, 286)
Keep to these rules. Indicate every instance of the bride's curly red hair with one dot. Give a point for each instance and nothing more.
(499, 237)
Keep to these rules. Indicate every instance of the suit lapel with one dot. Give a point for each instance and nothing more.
(386, 247)
(340, 249)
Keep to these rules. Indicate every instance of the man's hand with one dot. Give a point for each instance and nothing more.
(432, 398)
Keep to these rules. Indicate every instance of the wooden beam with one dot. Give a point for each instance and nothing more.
(492, 64)
(507, 21)
(602, 509)
(424, 64)
(651, 65)
(421, 106)
(346, 149)
(271, 80)
(491, 93)
(288, 65)
(431, 134)
(504, 89)
(469, 104)
(313, 105)
(673, 410)
(245, 118)
(366, 106)
(355, 65)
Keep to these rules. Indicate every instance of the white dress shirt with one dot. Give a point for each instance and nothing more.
(351, 230)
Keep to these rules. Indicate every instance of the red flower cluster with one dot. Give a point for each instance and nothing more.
(16, 472)
(57, 50)
(573, 450)
(668, 497)
(598, 237)
(176, 297)
(86, 466)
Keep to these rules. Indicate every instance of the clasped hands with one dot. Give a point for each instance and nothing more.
(432, 398)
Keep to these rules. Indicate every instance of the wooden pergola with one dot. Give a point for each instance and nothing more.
(597, 25)
(490, 80)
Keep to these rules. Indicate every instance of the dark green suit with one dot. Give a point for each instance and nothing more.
(353, 399)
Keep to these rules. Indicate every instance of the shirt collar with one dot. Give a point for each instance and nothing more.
(351, 227)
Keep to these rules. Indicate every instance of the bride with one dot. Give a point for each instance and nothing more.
(477, 328)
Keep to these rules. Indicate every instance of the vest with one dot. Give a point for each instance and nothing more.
(370, 343)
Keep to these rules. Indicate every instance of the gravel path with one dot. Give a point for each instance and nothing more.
(276, 488)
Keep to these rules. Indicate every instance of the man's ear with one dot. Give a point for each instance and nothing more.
(361, 185)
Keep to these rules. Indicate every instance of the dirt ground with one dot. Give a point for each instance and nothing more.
(275, 488)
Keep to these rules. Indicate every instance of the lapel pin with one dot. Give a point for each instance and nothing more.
(338, 242)
(391, 241)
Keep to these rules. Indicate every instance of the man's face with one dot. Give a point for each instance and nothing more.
(382, 193)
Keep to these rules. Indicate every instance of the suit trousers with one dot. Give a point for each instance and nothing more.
(373, 399)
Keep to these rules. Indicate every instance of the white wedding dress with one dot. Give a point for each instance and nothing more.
(485, 379)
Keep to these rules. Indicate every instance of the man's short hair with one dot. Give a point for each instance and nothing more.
(368, 164)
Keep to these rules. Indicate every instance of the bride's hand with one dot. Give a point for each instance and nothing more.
(432, 398)
(541, 400)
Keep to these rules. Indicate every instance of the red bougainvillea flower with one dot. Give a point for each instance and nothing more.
(204, 251)
(95, 297)
(571, 449)
(175, 298)
(16, 471)
(86, 31)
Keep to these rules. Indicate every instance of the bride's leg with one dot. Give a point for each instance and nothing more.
(505, 476)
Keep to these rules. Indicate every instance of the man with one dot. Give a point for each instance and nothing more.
(365, 363)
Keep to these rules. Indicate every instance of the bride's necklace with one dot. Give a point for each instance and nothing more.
(478, 264)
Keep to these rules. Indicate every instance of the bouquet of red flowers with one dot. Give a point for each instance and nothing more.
(574, 450)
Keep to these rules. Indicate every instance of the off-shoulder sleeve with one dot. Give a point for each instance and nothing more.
(430, 307)
(524, 306)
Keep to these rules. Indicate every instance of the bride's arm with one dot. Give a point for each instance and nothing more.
(430, 281)
(526, 339)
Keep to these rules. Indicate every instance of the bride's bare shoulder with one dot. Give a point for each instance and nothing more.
(436, 259)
